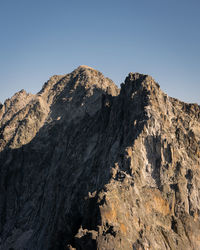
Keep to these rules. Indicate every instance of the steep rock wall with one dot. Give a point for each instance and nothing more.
(84, 165)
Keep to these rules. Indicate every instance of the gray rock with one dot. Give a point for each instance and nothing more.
(84, 165)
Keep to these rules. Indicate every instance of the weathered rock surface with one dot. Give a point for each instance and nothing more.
(84, 165)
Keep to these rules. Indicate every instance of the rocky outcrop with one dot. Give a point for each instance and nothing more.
(84, 165)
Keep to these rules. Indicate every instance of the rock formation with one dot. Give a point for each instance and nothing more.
(85, 165)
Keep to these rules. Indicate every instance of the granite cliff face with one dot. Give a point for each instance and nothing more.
(84, 165)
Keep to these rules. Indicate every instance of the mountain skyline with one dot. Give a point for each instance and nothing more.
(44, 38)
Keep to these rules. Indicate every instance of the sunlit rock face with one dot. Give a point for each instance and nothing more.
(85, 165)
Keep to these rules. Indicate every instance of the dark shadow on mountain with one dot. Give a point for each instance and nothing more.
(45, 183)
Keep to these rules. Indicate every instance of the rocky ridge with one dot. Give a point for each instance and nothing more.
(85, 165)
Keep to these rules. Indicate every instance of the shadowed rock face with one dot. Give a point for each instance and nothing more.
(84, 165)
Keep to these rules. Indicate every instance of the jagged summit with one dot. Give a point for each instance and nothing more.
(141, 80)
(83, 76)
(85, 67)
(86, 165)
(135, 76)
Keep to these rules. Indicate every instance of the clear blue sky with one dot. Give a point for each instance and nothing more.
(41, 38)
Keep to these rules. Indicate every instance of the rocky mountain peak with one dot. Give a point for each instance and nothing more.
(84, 165)
(85, 67)
(137, 81)
(89, 77)
(84, 77)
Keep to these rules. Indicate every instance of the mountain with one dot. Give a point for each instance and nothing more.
(85, 165)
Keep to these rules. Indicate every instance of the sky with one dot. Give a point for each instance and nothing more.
(42, 38)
